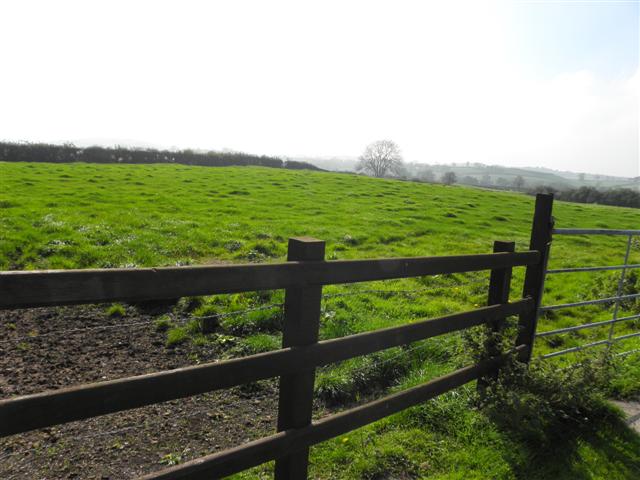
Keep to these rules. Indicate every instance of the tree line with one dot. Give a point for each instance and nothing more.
(621, 197)
(617, 196)
(43, 152)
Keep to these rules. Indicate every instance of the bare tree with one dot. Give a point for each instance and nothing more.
(381, 158)
(518, 182)
(449, 178)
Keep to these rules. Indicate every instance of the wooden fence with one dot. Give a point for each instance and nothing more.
(303, 276)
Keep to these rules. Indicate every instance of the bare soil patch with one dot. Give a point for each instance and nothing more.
(50, 348)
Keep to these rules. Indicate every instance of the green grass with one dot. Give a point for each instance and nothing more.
(116, 310)
(82, 215)
(448, 438)
(87, 215)
(163, 323)
(176, 336)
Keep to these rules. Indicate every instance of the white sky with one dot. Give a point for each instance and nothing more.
(547, 84)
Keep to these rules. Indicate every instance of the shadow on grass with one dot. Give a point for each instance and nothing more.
(603, 449)
(559, 424)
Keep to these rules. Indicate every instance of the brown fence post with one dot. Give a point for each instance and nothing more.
(541, 232)
(301, 327)
(499, 288)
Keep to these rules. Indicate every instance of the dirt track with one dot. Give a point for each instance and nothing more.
(43, 349)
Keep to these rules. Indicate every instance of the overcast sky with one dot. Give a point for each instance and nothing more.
(539, 83)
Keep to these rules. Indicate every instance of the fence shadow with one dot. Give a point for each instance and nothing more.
(571, 453)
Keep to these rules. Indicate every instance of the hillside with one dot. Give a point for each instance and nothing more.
(494, 175)
(86, 215)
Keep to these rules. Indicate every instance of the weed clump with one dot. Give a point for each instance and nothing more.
(116, 311)
(176, 336)
(189, 304)
(394, 463)
(624, 381)
(352, 379)
(350, 240)
(268, 249)
(540, 403)
(163, 323)
(233, 245)
(606, 285)
(206, 319)
(260, 251)
(253, 322)
(262, 342)
(205, 310)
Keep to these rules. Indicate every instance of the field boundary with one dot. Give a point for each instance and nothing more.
(302, 276)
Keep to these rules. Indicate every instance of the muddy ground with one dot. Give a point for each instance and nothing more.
(49, 348)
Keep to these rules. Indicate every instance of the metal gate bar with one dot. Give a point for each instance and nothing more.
(593, 269)
(589, 345)
(616, 300)
(589, 302)
(620, 288)
(593, 231)
(586, 325)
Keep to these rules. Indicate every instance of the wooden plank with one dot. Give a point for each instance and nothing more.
(29, 412)
(364, 343)
(499, 289)
(275, 446)
(301, 329)
(534, 277)
(21, 289)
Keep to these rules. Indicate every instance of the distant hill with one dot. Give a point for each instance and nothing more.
(335, 164)
(493, 175)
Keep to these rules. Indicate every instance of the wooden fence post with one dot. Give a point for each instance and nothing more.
(541, 232)
(301, 327)
(499, 288)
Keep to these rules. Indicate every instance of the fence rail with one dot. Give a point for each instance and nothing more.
(302, 277)
(284, 443)
(66, 287)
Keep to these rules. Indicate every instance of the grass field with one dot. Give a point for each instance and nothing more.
(83, 215)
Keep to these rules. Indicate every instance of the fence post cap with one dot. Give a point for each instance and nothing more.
(305, 248)
(504, 246)
(304, 239)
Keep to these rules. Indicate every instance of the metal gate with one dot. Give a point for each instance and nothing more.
(616, 300)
